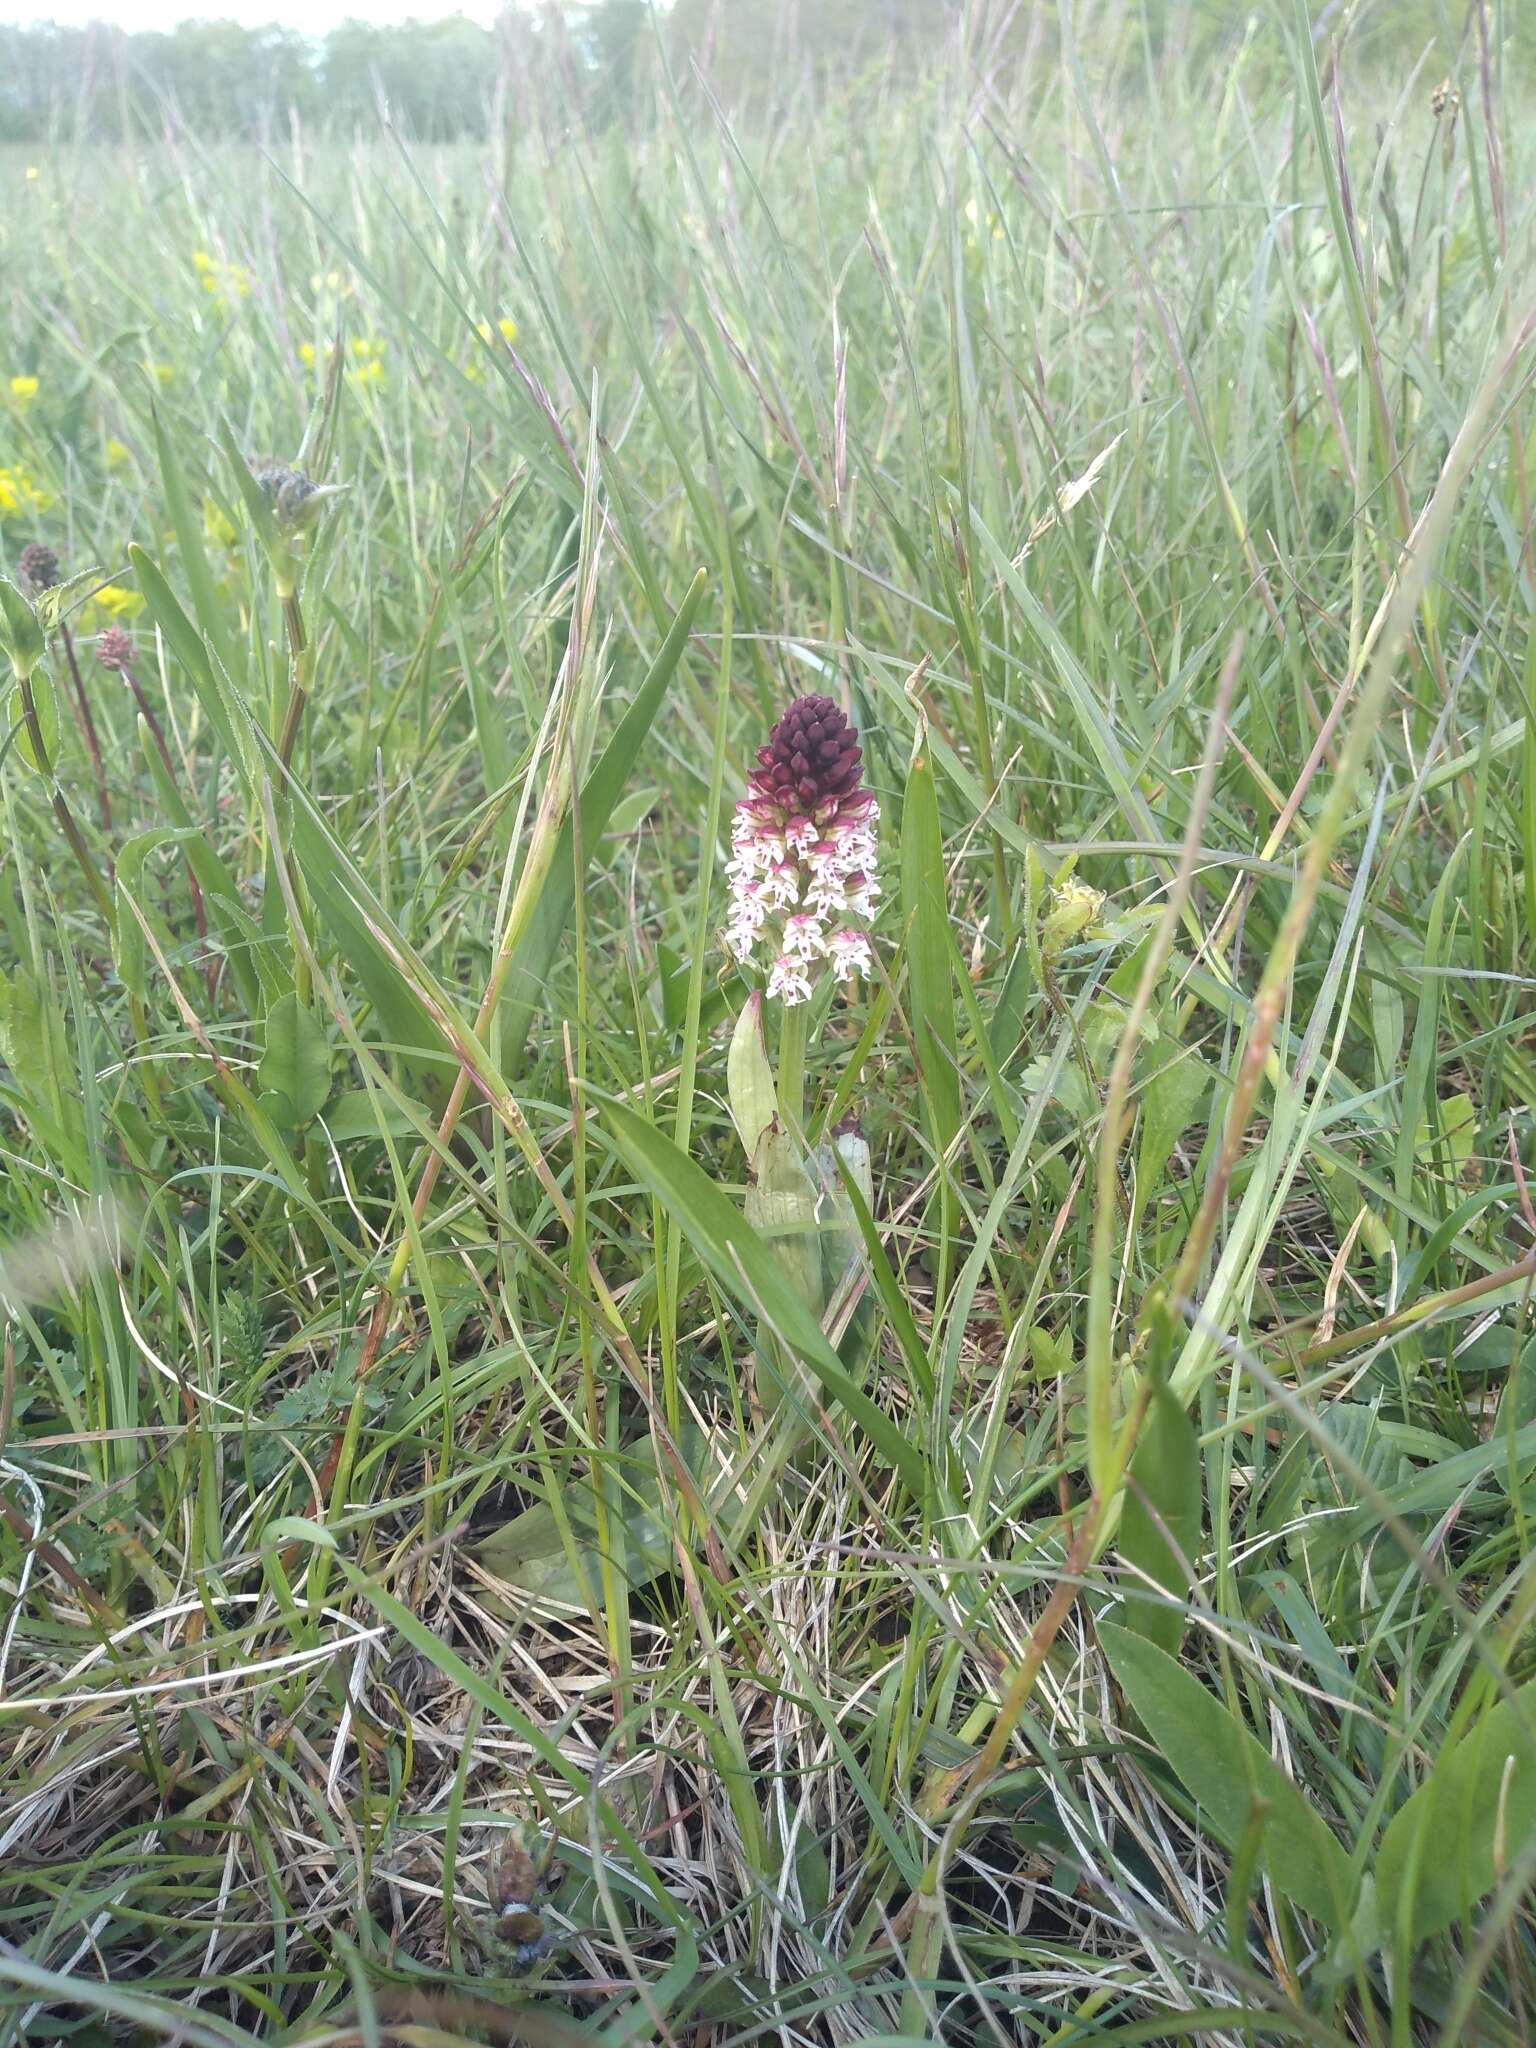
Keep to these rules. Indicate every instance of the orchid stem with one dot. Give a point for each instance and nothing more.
(791, 1076)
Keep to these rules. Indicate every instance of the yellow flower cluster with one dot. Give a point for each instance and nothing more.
(24, 390)
(505, 328)
(367, 360)
(18, 493)
(226, 281)
(117, 602)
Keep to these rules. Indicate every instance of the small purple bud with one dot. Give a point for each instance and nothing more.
(114, 649)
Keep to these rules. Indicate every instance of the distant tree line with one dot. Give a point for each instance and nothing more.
(438, 79)
(441, 79)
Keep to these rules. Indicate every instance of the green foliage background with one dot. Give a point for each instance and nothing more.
(1113, 1619)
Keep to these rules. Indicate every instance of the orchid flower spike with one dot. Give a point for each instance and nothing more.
(802, 866)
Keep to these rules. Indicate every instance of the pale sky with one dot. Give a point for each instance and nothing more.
(315, 17)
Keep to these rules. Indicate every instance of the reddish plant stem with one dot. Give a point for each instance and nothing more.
(88, 733)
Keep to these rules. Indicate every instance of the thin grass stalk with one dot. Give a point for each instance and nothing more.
(682, 1125)
(1106, 1457)
(74, 837)
(1396, 612)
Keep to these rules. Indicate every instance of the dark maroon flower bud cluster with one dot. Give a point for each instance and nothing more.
(40, 565)
(812, 761)
(114, 648)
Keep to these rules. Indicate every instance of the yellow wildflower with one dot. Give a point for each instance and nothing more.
(223, 280)
(163, 373)
(24, 389)
(18, 493)
(117, 454)
(506, 328)
(306, 352)
(120, 603)
(33, 174)
(368, 373)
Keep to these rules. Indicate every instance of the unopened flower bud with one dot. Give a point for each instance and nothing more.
(39, 565)
(295, 499)
(114, 649)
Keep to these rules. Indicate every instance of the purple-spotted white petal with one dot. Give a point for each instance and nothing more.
(789, 981)
(850, 954)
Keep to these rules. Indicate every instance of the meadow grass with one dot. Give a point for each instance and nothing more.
(1116, 1621)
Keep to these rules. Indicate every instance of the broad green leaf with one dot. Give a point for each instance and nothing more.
(34, 1044)
(249, 958)
(749, 1078)
(46, 705)
(898, 1311)
(1517, 1409)
(297, 1061)
(21, 636)
(52, 604)
(358, 1114)
(530, 1551)
(1164, 1488)
(131, 952)
(366, 937)
(1169, 1103)
(1432, 1491)
(226, 714)
(1050, 1354)
(1231, 1776)
(747, 1269)
(211, 614)
(631, 812)
(1446, 1846)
